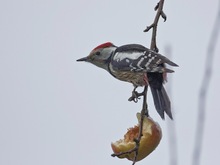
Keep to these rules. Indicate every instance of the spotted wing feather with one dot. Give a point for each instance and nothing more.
(137, 58)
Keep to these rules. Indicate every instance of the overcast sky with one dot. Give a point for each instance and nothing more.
(55, 111)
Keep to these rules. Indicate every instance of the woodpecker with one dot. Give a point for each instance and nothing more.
(138, 65)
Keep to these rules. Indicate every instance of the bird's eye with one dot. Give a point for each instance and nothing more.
(97, 53)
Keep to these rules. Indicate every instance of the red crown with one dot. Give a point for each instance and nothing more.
(105, 45)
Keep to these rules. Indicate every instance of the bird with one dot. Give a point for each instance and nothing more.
(137, 65)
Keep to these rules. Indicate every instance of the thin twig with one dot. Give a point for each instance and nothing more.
(154, 32)
(144, 111)
(204, 89)
(153, 26)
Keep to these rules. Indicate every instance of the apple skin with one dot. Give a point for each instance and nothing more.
(152, 135)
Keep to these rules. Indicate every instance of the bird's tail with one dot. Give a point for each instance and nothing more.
(161, 101)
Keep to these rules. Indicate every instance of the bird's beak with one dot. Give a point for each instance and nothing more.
(82, 59)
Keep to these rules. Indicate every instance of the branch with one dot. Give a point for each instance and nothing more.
(135, 95)
(204, 89)
(159, 8)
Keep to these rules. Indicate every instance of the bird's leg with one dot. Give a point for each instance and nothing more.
(135, 95)
(145, 78)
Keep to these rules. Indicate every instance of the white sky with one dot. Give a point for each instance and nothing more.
(56, 111)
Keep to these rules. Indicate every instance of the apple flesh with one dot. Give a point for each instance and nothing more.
(149, 141)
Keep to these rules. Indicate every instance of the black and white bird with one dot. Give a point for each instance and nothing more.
(138, 65)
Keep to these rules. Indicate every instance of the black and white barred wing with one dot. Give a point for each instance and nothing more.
(137, 58)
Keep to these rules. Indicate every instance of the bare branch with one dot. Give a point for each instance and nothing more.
(204, 89)
(135, 95)
(159, 8)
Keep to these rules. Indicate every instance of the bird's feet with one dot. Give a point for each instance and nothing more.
(135, 96)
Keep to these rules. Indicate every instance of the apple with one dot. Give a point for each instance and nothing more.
(152, 135)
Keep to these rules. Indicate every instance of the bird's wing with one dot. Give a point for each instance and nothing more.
(138, 58)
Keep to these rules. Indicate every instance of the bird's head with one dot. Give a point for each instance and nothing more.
(100, 55)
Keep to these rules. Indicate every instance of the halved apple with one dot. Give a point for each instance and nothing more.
(149, 141)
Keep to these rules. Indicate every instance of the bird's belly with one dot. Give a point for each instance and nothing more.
(136, 78)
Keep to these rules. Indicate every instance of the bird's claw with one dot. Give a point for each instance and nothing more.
(135, 96)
